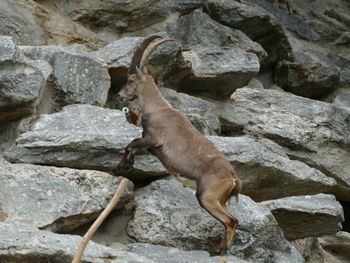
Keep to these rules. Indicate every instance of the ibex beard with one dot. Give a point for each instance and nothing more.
(183, 151)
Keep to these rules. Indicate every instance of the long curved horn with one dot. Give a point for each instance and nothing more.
(149, 50)
(136, 59)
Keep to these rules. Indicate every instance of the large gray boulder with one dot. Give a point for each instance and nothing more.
(162, 254)
(117, 55)
(27, 244)
(256, 23)
(218, 71)
(197, 28)
(221, 58)
(314, 132)
(21, 83)
(307, 216)
(266, 170)
(166, 213)
(311, 80)
(85, 137)
(56, 199)
(77, 77)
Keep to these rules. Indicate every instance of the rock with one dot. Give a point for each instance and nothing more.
(307, 216)
(267, 172)
(201, 113)
(342, 99)
(254, 84)
(83, 137)
(21, 20)
(313, 132)
(47, 52)
(230, 126)
(317, 58)
(310, 20)
(10, 53)
(21, 83)
(330, 248)
(76, 76)
(118, 54)
(123, 17)
(308, 80)
(217, 72)
(61, 30)
(31, 23)
(163, 254)
(337, 244)
(292, 22)
(56, 199)
(343, 39)
(197, 28)
(306, 246)
(27, 244)
(166, 213)
(254, 21)
(101, 136)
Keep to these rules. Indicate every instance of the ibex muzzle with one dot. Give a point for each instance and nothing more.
(183, 151)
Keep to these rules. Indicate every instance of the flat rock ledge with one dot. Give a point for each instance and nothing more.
(307, 216)
(55, 199)
(166, 213)
(85, 137)
(26, 244)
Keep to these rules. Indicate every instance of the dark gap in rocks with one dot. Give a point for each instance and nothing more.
(139, 183)
(113, 231)
(346, 223)
(118, 78)
(229, 132)
(65, 224)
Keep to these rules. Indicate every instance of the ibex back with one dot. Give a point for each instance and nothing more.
(183, 151)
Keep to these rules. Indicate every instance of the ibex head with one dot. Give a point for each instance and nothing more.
(137, 73)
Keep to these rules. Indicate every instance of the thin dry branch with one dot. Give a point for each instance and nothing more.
(99, 220)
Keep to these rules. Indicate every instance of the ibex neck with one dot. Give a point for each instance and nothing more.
(151, 99)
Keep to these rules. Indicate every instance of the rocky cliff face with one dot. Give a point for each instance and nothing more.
(268, 81)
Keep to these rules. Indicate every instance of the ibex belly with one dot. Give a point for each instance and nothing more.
(185, 180)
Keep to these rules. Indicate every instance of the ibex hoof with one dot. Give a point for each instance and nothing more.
(218, 249)
(122, 170)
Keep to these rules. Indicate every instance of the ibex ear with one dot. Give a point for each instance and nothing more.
(144, 70)
(139, 73)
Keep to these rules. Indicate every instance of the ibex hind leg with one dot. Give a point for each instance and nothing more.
(213, 199)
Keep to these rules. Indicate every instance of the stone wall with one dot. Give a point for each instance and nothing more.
(267, 81)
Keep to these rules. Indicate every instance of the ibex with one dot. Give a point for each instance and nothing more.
(182, 150)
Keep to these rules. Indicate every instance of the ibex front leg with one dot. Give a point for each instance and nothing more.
(127, 160)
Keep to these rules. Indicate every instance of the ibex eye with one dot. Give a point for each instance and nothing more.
(130, 81)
